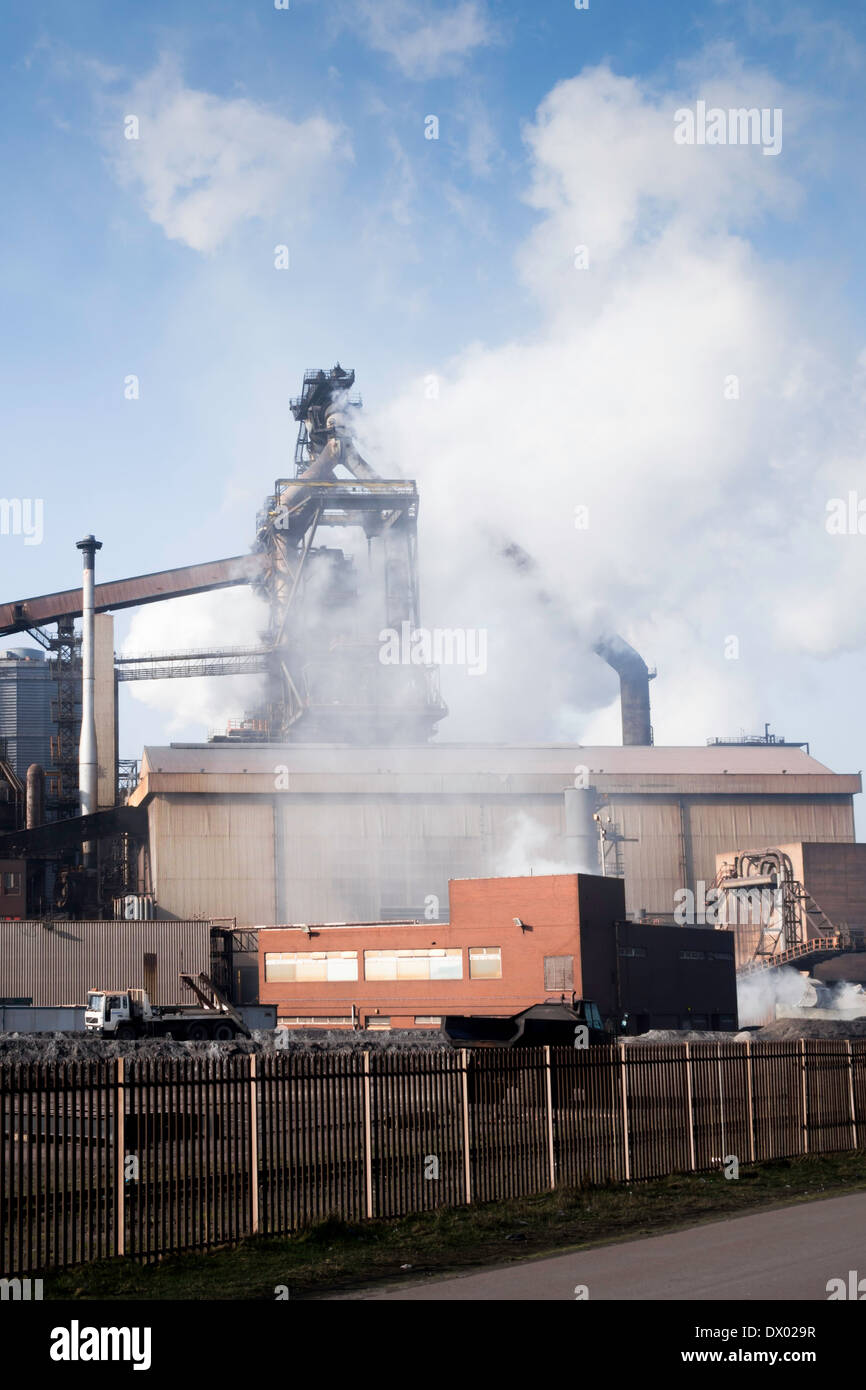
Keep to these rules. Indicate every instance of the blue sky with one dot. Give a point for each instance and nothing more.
(408, 257)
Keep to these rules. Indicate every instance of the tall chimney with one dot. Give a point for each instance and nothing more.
(87, 759)
(634, 679)
(35, 798)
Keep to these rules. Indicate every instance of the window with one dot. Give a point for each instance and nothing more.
(634, 952)
(433, 1019)
(377, 1021)
(559, 973)
(593, 1017)
(485, 963)
(416, 963)
(337, 1020)
(308, 967)
(12, 883)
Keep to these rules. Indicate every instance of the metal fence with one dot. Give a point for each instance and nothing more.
(145, 1157)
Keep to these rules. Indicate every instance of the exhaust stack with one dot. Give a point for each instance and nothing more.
(35, 797)
(87, 758)
(634, 678)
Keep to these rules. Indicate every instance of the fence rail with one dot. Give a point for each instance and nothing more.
(146, 1157)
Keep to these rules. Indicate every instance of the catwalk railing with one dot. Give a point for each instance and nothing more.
(144, 1157)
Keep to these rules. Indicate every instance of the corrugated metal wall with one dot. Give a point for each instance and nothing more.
(345, 857)
(57, 964)
(676, 849)
(364, 858)
(213, 856)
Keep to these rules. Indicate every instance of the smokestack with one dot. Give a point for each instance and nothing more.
(87, 762)
(35, 803)
(634, 679)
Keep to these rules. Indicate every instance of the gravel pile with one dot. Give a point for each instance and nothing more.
(678, 1035)
(787, 1028)
(78, 1047)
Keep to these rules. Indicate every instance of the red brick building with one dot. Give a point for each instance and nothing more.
(510, 943)
(13, 884)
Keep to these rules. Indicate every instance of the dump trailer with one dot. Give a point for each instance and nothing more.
(578, 1024)
(128, 1013)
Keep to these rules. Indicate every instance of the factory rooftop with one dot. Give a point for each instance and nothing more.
(508, 767)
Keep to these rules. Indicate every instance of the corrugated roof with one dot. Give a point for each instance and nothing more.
(482, 758)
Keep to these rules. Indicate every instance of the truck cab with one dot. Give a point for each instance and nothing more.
(113, 1012)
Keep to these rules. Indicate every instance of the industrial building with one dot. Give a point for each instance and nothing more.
(799, 903)
(508, 943)
(280, 833)
(55, 963)
(26, 695)
(331, 801)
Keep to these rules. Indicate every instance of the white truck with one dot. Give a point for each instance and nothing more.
(128, 1013)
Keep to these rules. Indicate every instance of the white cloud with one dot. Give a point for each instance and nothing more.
(423, 42)
(225, 618)
(706, 514)
(205, 164)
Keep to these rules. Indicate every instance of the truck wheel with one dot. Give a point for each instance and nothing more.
(223, 1032)
(125, 1032)
(197, 1032)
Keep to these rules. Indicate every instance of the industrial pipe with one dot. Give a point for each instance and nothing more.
(35, 797)
(634, 679)
(87, 757)
(580, 828)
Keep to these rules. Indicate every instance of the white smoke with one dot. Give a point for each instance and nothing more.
(673, 388)
(527, 851)
(846, 995)
(226, 618)
(758, 994)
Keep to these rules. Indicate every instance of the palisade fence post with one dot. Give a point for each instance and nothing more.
(467, 1154)
(804, 1096)
(691, 1106)
(748, 1047)
(851, 1096)
(254, 1146)
(624, 1086)
(119, 1158)
(550, 1148)
(368, 1136)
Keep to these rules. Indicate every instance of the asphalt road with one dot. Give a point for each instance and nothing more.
(786, 1254)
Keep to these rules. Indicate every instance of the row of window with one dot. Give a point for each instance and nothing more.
(706, 955)
(412, 963)
(639, 952)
